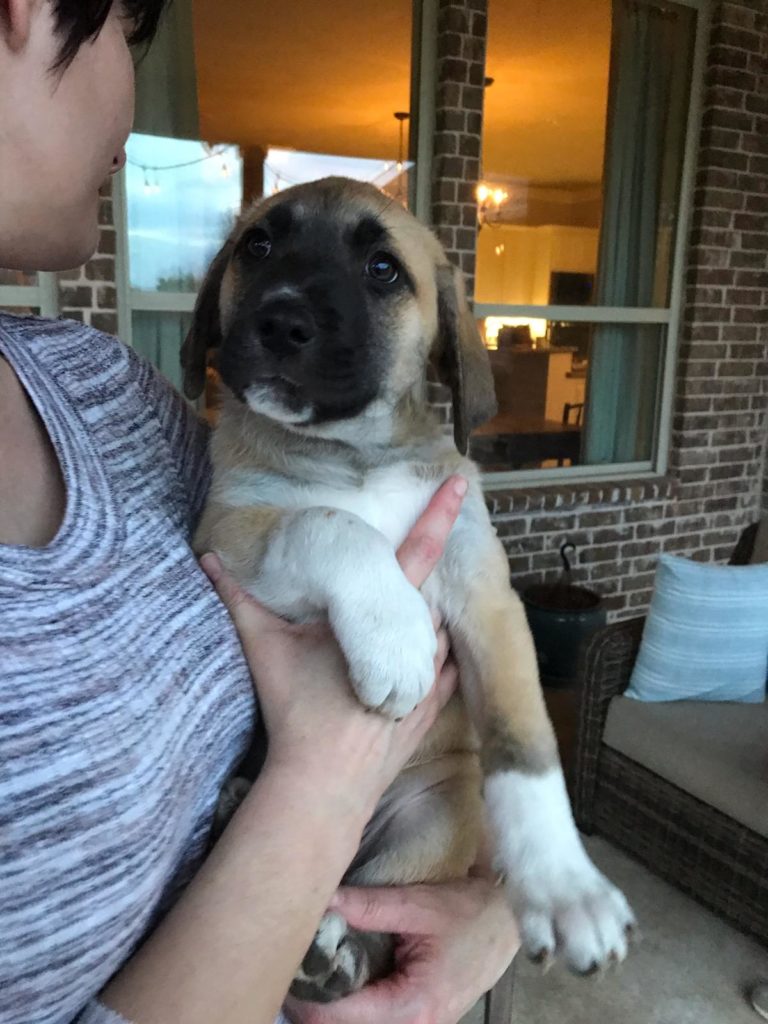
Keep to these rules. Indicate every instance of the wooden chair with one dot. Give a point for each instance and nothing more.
(570, 407)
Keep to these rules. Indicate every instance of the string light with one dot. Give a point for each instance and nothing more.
(150, 189)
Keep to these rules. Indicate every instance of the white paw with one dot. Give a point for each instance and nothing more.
(574, 912)
(390, 646)
(562, 903)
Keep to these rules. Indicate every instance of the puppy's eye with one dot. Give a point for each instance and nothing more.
(382, 268)
(259, 244)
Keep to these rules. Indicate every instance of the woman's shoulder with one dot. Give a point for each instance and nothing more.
(69, 349)
(100, 386)
(94, 372)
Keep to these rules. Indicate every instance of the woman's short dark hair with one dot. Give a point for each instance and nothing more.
(79, 21)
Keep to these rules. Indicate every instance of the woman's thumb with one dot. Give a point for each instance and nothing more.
(246, 613)
(404, 910)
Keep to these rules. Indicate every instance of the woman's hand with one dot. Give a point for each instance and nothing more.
(455, 942)
(318, 731)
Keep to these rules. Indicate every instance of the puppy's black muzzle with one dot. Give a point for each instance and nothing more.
(303, 318)
(285, 327)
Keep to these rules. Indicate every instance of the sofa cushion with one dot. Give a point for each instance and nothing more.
(717, 752)
(706, 635)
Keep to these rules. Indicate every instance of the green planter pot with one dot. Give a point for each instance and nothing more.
(562, 618)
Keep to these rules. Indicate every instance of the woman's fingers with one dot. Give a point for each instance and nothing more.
(445, 687)
(443, 650)
(422, 548)
(247, 614)
(422, 718)
(411, 910)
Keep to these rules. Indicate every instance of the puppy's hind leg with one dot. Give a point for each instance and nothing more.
(561, 901)
(341, 960)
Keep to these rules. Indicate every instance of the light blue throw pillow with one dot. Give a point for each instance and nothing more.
(706, 635)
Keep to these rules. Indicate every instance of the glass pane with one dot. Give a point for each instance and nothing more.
(583, 144)
(183, 198)
(286, 167)
(325, 81)
(570, 394)
(651, 65)
(18, 277)
(158, 338)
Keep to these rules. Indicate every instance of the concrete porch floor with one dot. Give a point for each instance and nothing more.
(690, 967)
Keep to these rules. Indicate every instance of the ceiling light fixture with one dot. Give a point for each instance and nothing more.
(402, 116)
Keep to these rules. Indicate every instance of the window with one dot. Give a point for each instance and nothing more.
(277, 105)
(28, 294)
(178, 201)
(586, 167)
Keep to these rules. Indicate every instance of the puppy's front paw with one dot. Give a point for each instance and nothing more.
(576, 913)
(333, 966)
(390, 646)
(562, 903)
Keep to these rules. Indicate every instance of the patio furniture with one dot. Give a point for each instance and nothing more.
(682, 786)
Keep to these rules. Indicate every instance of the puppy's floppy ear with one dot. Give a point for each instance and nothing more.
(205, 332)
(460, 358)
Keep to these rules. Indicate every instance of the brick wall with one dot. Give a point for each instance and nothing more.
(89, 293)
(462, 32)
(716, 482)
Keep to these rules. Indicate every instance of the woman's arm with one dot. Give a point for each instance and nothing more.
(229, 948)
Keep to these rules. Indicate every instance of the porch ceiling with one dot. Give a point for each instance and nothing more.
(327, 77)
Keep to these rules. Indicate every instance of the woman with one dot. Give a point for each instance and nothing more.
(125, 699)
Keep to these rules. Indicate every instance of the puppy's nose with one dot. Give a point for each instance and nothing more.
(284, 328)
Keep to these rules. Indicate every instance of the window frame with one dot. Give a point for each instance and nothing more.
(424, 17)
(43, 296)
(669, 316)
(130, 300)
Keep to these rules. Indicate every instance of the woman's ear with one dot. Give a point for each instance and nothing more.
(16, 23)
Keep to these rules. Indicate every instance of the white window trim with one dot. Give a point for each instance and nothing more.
(130, 300)
(422, 121)
(671, 316)
(43, 296)
(424, 64)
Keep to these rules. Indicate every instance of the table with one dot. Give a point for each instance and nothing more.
(518, 440)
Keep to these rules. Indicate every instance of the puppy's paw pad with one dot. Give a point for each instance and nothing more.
(320, 956)
(331, 967)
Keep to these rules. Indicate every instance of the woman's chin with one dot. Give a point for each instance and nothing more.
(67, 253)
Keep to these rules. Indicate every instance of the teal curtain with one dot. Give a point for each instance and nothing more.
(166, 78)
(651, 59)
(159, 337)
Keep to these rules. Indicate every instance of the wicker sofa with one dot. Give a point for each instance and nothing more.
(681, 786)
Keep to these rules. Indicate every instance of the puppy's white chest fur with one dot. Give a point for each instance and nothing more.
(390, 500)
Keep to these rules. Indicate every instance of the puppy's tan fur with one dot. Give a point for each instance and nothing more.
(429, 823)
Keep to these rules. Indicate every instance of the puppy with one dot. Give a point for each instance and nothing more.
(327, 305)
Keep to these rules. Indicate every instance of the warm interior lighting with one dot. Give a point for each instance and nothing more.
(489, 198)
(493, 324)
